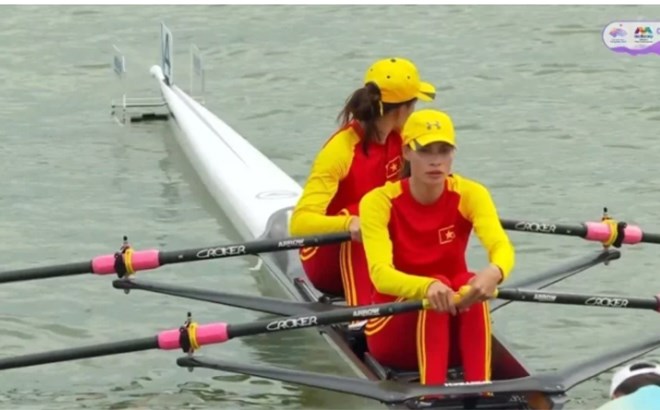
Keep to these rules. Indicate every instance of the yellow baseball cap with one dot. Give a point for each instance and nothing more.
(398, 81)
(426, 126)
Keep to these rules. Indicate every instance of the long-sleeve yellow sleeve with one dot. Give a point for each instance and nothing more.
(331, 165)
(478, 207)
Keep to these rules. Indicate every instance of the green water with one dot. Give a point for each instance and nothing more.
(552, 121)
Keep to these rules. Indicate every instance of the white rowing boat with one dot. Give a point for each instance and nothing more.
(257, 197)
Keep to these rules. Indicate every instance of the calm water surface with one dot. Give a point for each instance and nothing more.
(553, 122)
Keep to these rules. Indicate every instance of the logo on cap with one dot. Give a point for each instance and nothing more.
(430, 125)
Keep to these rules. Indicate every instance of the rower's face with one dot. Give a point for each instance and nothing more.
(432, 163)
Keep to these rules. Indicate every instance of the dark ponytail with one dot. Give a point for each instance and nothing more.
(365, 105)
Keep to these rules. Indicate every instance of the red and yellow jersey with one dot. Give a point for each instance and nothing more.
(341, 175)
(406, 242)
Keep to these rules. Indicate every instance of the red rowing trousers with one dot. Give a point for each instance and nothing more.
(430, 341)
(339, 269)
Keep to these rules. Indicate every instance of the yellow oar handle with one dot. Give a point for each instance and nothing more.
(458, 296)
(464, 291)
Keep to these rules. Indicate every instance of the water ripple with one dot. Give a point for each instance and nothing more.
(539, 120)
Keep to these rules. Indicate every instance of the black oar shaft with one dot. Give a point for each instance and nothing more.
(200, 335)
(323, 318)
(46, 272)
(593, 231)
(76, 353)
(524, 295)
(579, 230)
(650, 237)
(250, 248)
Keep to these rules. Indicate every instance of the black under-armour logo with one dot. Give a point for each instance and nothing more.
(430, 125)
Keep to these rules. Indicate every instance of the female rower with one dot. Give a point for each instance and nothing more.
(363, 154)
(415, 233)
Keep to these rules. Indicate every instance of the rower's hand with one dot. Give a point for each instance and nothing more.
(441, 297)
(480, 288)
(354, 229)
